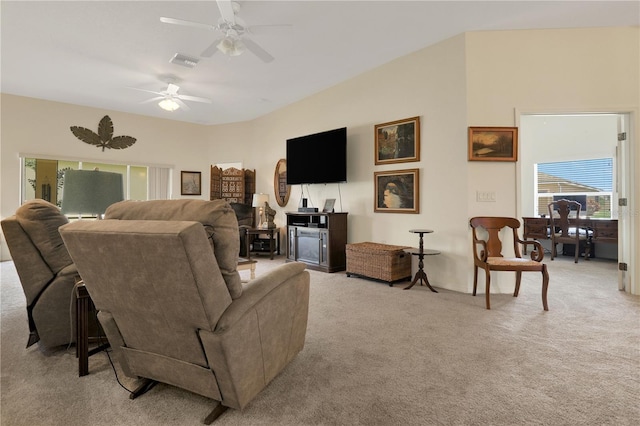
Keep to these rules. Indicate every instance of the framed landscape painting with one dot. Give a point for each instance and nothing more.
(397, 141)
(397, 191)
(493, 143)
(190, 183)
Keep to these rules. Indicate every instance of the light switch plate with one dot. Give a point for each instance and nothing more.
(486, 196)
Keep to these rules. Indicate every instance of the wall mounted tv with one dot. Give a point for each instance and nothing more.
(317, 158)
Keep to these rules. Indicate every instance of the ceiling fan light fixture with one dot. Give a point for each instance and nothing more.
(168, 104)
(231, 46)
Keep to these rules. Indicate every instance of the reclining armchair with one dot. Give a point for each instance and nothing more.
(46, 271)
(174, 309)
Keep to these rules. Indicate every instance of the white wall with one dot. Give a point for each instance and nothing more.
(546, 71)
(429, 84)
(475, 79)
(42, 127)
(478, 79)
(552, 138)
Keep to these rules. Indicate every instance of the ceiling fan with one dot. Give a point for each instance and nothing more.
(234, 40)
(170, 100)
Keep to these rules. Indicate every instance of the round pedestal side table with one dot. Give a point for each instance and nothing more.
(421, 275)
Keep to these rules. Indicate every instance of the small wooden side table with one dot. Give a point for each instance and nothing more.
(274, 240)
(421, 275)
(83, 307)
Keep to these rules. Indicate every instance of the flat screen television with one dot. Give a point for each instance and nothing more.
(317, 158)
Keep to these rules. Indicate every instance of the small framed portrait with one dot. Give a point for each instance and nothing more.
(493, 144)
(397, 191)
(190, 183)
(328, 205)
(398, 141)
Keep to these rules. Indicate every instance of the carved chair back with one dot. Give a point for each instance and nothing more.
(560, 221)
(493, 226)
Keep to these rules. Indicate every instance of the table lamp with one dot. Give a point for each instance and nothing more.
(261, 200)
(90, 191)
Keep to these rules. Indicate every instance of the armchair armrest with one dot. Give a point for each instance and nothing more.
(257, 290)
(537, 253)
(482, 256)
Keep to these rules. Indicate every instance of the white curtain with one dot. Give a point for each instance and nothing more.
(159, 183)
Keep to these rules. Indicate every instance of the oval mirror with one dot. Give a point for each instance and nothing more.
(280, 187)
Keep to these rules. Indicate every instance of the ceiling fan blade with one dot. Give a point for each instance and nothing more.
(194, 99)
(182, 104)
(187, 23)
(152, 99)
(257, 50)
(209, 51)
(147, 91)
(268, 29)
(173, 89)
(226, 11)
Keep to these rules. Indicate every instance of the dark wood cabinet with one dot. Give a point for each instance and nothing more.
(536, 228)
(317, 239)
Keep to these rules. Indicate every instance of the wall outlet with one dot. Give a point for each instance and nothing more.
(486, 196)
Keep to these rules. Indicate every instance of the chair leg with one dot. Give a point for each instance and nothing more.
(217, 412)
(518, 279)
(488, 285)
(545, 286)
(577, 252)
(475, 279)
(587, 249)
(553, 250)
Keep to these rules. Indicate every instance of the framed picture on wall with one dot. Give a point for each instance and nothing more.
(493, 143)
(397, 191)
(190, 183)
(397, 141)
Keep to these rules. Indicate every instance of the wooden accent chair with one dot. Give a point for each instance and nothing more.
(487, 254)
(562, 231)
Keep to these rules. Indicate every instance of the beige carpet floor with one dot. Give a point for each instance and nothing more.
(377, 355)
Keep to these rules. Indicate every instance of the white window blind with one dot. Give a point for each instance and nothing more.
(589, 182)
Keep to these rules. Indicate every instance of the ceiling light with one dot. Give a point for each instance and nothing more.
(168, 104)
(231, 46)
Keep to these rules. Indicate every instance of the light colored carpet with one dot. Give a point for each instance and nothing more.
(377, 355)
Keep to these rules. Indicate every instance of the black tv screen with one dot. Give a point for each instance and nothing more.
(317, 158)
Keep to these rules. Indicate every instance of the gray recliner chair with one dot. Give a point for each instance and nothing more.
(173, 307)
(46, 271)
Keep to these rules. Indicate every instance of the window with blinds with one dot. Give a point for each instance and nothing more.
(590, 182)
(44, 178)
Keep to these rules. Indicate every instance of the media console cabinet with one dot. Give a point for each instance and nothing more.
(317, 239)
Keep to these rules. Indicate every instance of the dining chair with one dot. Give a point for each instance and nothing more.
(487, 254)
(565, 228)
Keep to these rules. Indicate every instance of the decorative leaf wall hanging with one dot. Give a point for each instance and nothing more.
(104, 138)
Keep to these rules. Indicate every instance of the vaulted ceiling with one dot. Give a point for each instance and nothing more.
(96, 53)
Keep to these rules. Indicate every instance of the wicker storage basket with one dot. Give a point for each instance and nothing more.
(378, 261)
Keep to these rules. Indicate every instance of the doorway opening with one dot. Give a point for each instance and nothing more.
(565, 138)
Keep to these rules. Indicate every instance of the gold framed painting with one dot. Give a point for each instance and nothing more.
(397, 141)
(493, 144)
(397, 191)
